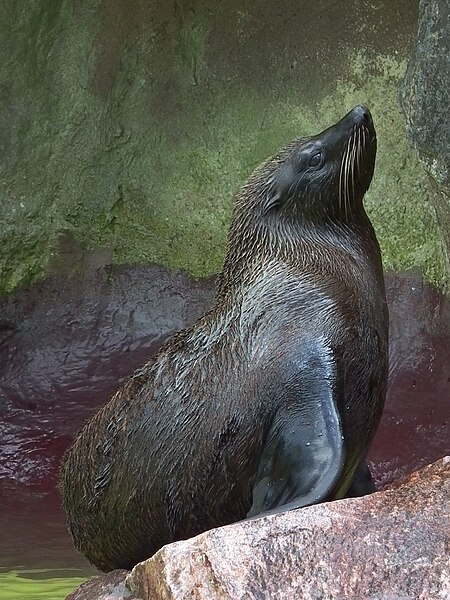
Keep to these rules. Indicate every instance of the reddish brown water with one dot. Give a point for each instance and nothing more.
(66, 345)
(415, 428)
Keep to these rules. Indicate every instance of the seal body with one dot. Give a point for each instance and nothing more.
(269, 401)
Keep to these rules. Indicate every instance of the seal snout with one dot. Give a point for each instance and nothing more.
(361, 115)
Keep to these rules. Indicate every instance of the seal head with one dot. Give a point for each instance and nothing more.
(327, 173)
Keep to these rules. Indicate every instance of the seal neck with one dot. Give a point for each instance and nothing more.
(303, 246)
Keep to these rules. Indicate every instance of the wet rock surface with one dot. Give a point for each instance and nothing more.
(390, 545)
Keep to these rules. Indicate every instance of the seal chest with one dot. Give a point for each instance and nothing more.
(269, 401)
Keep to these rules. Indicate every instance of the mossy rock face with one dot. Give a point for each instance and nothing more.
(130, 125)
(426, 102)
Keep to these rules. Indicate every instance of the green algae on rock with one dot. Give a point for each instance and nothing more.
(130, 126)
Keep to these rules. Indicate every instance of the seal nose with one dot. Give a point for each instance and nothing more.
(361, 114)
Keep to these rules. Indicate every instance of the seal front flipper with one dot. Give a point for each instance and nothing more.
(304, 455)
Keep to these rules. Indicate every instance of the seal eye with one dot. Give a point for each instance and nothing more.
(316, 160)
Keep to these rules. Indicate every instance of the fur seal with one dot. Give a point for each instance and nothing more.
(269, 401)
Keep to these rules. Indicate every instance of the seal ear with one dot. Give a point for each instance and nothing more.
(280, 186)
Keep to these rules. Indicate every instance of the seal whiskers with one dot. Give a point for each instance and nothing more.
(350, 169)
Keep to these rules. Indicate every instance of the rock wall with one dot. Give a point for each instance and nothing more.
(426, 102)
(128, 125)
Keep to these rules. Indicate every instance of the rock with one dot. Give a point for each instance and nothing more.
(390, 545)
(426, 103)
(130, 124)
(426, 89)
(105, 587)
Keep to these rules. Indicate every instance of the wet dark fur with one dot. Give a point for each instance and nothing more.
(176, 450)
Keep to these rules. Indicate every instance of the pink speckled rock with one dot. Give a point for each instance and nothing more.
(110, 586)
(391, 545)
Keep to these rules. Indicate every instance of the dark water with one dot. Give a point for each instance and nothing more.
(66, 345)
